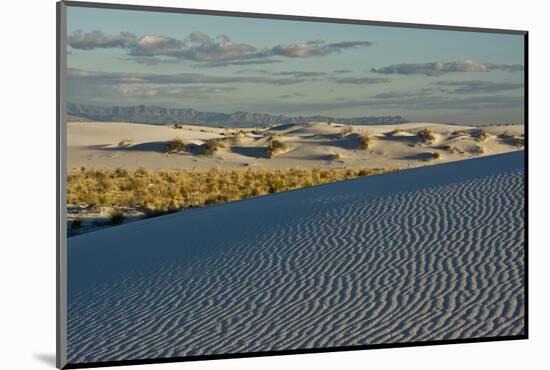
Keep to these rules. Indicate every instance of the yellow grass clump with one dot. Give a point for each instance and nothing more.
(158, 192)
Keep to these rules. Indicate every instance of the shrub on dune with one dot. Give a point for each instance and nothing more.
(124, 142)
(177, 126)
(274, 147)
(426, 136)
(174, 146)
(365, 141)
(212, 146)
(117, 216)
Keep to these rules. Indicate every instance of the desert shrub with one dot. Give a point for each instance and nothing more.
(120, 172)
(174, 146)
(346, 130)
(365, 141)
(238, 136)
(274, 147)
(435, 155)
(141, 171)
(177, 126)
(117, 216)
(210, 147)
(335, 156)
(124, 142)
(426, 135)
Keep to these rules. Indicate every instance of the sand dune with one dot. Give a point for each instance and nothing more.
(130, 145)
(423, 254)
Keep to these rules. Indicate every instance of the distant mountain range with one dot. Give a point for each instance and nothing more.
(161, 116)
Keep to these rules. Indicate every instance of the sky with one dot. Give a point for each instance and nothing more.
(229, 64)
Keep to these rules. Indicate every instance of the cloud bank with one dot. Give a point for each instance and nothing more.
(202, 48)
(439, 68)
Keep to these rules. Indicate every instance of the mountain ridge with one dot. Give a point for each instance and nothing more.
(152, 114)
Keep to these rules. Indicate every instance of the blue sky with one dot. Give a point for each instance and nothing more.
(228, 64)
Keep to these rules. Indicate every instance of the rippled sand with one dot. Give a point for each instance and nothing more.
(425, 254)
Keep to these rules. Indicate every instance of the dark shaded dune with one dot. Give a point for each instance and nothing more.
(154, 146)
(252, 152)
(424, 254)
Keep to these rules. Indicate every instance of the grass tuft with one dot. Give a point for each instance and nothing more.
(174, 146)
(274, 147)
(212, 146)
(117, 216)
(426, 136)
(365, 141)
(125, 142)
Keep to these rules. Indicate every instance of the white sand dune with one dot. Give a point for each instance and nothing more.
(423, 254)
(131, 145)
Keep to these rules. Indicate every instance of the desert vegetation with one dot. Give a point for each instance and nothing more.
(124, 142)
(274, 147)
(117, 216)
(177, 126)
(365, 141)
(426, 136)
(174, 146)
(212, 146)
(159, 192)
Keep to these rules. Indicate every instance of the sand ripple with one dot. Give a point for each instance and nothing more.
(395, 258)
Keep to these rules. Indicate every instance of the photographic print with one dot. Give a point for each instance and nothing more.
(240, 184)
